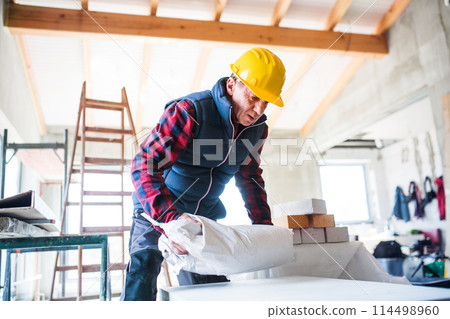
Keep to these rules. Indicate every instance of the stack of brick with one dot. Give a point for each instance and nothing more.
(309, 221)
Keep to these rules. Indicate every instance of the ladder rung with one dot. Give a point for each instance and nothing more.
(106, 161)
(97, 171)
(96, 268)
(104, 105)
(91, 297)
(106, 193)
(92, 268)
(107, 130)
(101, 139)
(115, 234)
(106, 229)
(95, 203)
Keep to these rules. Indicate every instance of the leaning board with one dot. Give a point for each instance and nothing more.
(26, 206)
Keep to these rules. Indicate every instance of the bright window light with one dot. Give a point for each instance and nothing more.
(344, 190)
(236, 211)
(12, 175)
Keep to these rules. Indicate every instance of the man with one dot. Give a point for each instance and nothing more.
(200, 143)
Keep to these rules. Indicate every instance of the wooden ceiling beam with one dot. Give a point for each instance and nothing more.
(153, 7)
(22, 19)
(85, 4)
(279, 12)
(384, 24)
(219, 6)
(391, 16)
(204, 54)
(337, 13)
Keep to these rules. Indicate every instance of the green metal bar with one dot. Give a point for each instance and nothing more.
(60, 248)
(15, 146)
(3, 169)
(51, 241)
(104, 273)
(57, 241)
(7, 285)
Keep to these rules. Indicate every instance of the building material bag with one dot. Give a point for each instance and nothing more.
(216, 249)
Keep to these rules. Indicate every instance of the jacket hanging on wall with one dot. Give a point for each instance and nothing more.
(440, 196)
(429, 195)
(401, 210)
(414, 195)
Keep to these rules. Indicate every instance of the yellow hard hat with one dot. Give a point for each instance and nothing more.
(263, 73)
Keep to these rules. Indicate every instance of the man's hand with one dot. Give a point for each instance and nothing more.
(177, 248)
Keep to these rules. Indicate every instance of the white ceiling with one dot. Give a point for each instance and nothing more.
(60, 65)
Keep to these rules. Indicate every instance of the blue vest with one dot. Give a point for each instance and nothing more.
(213, 157)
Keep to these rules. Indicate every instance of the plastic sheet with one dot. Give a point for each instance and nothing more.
(216, 249)
(332, 260)
(11, 227)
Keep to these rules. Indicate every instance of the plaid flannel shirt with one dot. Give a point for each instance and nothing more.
(174, 132)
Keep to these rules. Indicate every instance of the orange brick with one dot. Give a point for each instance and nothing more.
(321, 221)
(292, 221)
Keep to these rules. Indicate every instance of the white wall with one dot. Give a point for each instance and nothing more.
(285, 180)
(16, 108)
(17, 115)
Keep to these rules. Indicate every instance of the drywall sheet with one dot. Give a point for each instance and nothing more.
(305, 289)
(26, 207)
(349, 260)
(11, 227)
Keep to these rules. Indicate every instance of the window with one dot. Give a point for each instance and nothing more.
(345, 191)
(12, 174)
(235, 206)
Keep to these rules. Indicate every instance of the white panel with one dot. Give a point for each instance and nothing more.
(218, 65)
(307, 14)
(315, 85)
(356, 21)
(57, 67)
(249, 12)
(115, 64)
(172, 69)
(182, 9)
(66, 4)
(138, 7)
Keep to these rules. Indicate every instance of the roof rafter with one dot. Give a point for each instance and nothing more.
(335, 15)
(32, 85)
(391, 16)
(23, 19)
(279, 12)
(219, 6)
(153, 7)
(204, 54)
(145, 69)
(88, 80)
(384, 24)
(85, 4)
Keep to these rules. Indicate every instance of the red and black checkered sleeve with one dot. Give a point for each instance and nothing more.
(251, 185)
(158, 152)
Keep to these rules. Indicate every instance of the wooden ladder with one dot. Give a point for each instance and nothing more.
(101, 166)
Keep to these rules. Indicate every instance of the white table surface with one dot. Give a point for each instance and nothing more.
(349, 260)
(302, 288)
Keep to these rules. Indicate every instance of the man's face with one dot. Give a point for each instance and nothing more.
(246, 107)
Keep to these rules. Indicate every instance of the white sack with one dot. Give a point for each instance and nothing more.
(216, 249)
